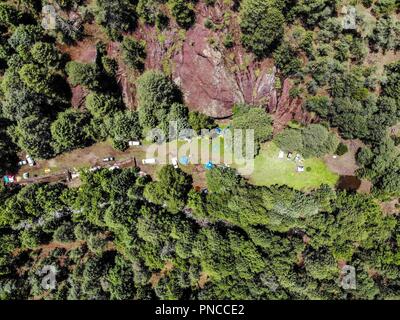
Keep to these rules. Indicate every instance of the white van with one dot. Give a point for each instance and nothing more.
(30, 160)
(149, 161)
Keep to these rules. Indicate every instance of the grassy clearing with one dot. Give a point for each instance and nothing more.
(270, 170)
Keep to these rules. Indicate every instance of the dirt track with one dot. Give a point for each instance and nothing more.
(65, 176)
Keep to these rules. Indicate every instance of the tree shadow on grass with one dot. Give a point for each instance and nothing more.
(348, 183)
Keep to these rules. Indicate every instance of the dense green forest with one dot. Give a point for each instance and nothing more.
(124, 235)
(248, 242)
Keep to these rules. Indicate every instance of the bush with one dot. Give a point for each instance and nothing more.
(84, 74)
(148, 10)
(385, 7)
(262, 26)
(134, 53)
(286, 59)
(314, 12)
(182, 12)
(64, 233)
(110, 66)
(229, 42)
(96, 243)
(367, 3)
(69, 130)
(116, 16)
(46, 54)
(162, 21)
(385, 34)
(100, 104)
(342, 149)
(156, 94)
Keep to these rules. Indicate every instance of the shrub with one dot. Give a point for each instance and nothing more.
(64, 233)
(229, 42)
(69, 130)
(342, 149)
(148, 10)
(182, 12)
(262, 26)
(208, 24)
(156, 93)
(286, 59)
(134, 53)
(116, 16)
(83, 74)
(100, 104)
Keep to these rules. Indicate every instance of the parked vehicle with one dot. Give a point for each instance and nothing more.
(175, 162)
(134, 143)
(22, 163)
(149, 161)
(25, 176)
(108, 159)
(31, 162)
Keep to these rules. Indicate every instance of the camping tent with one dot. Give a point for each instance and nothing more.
(209, 165)
(184, 160)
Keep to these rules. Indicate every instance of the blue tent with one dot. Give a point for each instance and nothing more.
(184, 160)
(209, 165)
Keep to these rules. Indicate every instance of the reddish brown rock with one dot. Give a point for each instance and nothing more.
(78, 97)
(288, 109)
(84, 51)
(127, 87)
(213, 79)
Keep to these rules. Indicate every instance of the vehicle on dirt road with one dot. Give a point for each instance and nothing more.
(31, 162)
(22, 163)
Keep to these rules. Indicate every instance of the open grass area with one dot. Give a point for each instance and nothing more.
(270, 170)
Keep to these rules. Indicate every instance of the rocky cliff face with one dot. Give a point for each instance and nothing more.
(213, 84)
(213, 78)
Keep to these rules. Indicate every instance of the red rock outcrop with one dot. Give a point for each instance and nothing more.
(212, 82)
(127, 87)
(211, 77)
(288, 109)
